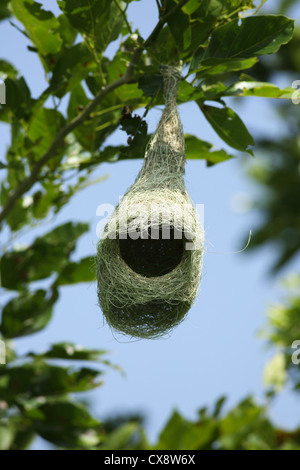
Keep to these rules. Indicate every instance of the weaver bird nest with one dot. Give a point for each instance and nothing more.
(149, 257)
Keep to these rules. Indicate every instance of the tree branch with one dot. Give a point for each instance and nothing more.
(51, 152)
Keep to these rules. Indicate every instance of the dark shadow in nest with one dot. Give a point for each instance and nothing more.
(156, 255)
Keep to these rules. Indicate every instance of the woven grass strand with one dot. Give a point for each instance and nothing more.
(147, 285)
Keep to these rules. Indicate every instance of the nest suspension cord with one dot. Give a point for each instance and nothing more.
(149, 257)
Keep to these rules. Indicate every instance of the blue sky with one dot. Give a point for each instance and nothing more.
(215, 351)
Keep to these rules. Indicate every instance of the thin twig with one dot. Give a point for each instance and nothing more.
(124, 15)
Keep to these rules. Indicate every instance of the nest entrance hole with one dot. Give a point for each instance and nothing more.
(154, 253)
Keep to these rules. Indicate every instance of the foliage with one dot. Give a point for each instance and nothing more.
(282, 332)
(276, 174)
(50, 158)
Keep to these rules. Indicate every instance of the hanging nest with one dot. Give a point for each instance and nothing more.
(150, 255)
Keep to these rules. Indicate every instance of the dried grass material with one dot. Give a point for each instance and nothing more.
(148, 281)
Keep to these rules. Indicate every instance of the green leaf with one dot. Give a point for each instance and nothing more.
(102, 123)
(229, 127)
(18, 217)
(193, 6)
(71, 351)
(75, 352)
(27, 313)
(216, 8)
(51, 198)
(46, 255)
(72, 67)
(108, 154)
(214, 65)
(37, 378)
(179, 25)
(212, 91)
(40, 25)
(275, 374)
(131, 124)
(108, 27)
(203, 17)
(101, 21)
(180, 434)
(282, 327)
(24, 435)
(4, 114)
(79, 160)
(219, 406)
(66, 30)
(223, 10)
(122, 438)
(85, 134)
(7, 70)
(16, 433)
(187, 92)
(151, 84)
(206, 15)
(82, 14)
(137, 128)
(4, 11)
(73, 273)
(65, 423)
(128, 94)
(199, 149)
(249, 37)
(243, 422)
(164, 50)
(253, 88)
(7, 435)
